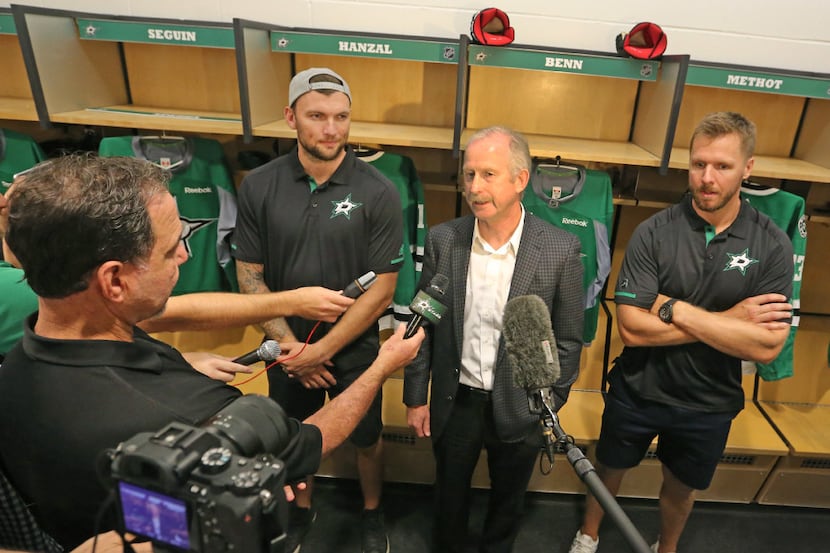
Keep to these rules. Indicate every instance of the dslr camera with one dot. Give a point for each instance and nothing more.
(207, 489)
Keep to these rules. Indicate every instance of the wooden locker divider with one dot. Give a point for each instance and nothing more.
(115, 71)
(814, 142)
(16, 100)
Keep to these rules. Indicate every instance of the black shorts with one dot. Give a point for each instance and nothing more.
(301, 402)
(690, 442)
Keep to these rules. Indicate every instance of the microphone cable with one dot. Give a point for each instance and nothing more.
(352, 290)
(545, 468)
(274, 363)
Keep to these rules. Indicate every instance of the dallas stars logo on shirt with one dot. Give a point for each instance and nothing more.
(739, 261)
(191, 227)
(344, 207)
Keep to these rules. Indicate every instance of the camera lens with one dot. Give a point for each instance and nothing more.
(254, 424)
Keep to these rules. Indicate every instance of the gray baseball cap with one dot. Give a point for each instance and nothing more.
(316, 78)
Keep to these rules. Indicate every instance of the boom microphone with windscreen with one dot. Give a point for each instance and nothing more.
(428, 306)
(529, 342)
(531, 350)
(267, 351)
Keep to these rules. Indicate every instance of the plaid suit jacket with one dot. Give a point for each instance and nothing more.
(18, 528)
(547, 265)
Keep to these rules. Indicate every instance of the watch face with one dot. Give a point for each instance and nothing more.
(665, 312)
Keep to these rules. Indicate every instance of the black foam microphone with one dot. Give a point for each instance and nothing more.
(267, 351)
(359, 285)
(427, 306)
(531, 350)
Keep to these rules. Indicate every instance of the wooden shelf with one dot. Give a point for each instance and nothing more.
(767, 166)
(576, 149)
(584, 150)
(376, 133)
(167, 75)
(21, 109)
(156, 118)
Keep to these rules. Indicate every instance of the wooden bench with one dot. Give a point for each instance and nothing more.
(803, 477)
(751, 453)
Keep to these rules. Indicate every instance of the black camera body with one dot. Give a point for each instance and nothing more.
(202, 489)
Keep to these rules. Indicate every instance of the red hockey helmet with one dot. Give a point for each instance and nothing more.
(645, 41)
(491, 26)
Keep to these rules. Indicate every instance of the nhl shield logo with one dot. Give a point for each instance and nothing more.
(645, 70)
(449, 53)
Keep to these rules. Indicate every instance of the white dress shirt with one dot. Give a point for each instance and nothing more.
(488, 285)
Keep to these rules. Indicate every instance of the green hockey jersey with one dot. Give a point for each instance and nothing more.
(787, 211)
(206, 198)
(579, 201)
(18, 152)
(401, 171)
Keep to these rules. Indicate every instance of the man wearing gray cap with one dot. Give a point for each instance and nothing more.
(320, 215)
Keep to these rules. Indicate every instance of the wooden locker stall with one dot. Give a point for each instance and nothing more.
(578, 105)
(16, 100)
(792, 113)
(404, 96)
(165, 75)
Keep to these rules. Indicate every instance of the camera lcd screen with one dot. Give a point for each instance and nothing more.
(154, 515)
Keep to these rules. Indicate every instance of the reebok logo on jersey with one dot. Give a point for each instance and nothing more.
(197, 190)
(577, 222)
(740, 261)
(344, 207)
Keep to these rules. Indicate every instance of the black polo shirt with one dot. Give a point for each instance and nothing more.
(328, 236)
(676, 253)
(66, 401)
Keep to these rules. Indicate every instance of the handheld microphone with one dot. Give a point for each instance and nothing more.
(360, 285)
(531, 350)
(427, 306)
(267, 351)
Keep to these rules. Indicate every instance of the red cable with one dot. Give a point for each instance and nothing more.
(257, 375)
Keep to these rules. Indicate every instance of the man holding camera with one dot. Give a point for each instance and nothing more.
(99, 241)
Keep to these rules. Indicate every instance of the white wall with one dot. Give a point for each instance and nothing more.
(792, 35)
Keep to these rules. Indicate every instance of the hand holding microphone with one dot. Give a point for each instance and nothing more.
(359, 285)
(220, 368)
(428, 306)
(270, 349)
(267, 351)
(311, 367)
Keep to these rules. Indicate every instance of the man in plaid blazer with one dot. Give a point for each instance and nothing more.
(497, 253)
